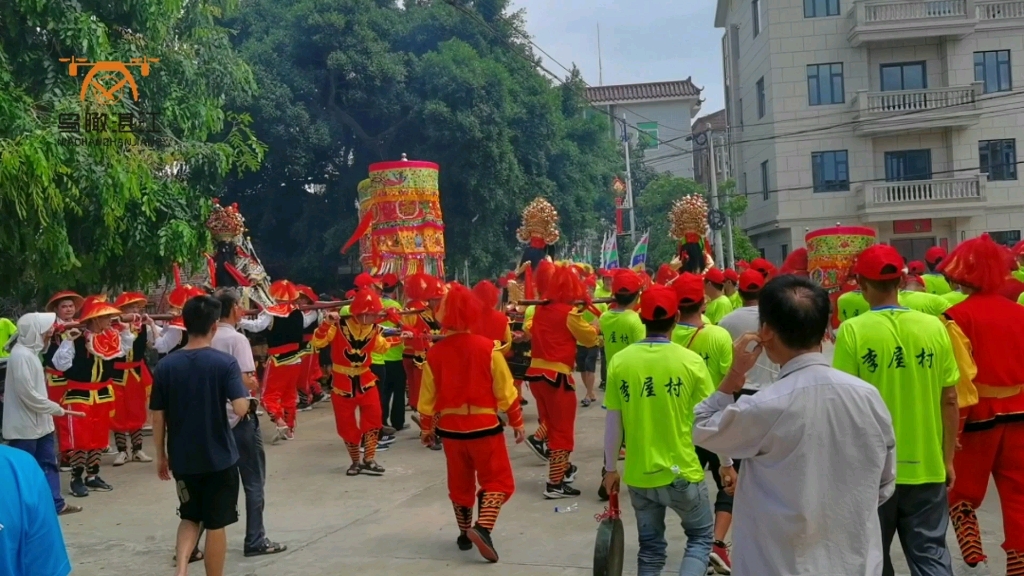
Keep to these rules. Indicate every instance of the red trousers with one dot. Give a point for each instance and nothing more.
(557, 410)
(281, 391)
(309, 382)
(413, 373)
(130, 401)
(478, 465)
(996, 452)
(351, 430)
(89, 432)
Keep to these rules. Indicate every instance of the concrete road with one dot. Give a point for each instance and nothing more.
(398, 524)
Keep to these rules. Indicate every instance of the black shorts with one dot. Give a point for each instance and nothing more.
(586, 358)
(210, 499)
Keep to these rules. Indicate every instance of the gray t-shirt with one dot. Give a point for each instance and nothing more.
(230, 341)
(739, 322)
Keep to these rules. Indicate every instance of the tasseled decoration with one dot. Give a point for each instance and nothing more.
(211, 268)
(361, 230)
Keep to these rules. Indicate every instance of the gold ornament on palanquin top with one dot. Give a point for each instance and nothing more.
(540, 220)
(225, 223)
(688, 218)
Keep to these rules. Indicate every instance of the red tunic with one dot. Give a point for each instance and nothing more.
(352, 345)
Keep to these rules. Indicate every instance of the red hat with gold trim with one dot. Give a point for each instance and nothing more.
(389, 281)
(366, 301)
(284, 291)
(96, 308)
(423, 287)
(307, 292)
(459, 309)
(182, 294)
(130, 298)
(59, 297)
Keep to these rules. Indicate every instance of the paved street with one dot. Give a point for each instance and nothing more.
(399, 524)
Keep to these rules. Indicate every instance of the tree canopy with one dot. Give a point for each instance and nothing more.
(345, 83)
(110, 192)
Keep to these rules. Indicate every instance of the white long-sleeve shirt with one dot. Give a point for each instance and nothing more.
(168, 339)
(818, 453)
(65, 354)
(28, 412)
(264, 320)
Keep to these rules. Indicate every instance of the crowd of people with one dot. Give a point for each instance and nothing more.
(898, 433)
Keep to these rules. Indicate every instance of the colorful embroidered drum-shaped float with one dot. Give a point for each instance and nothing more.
(365, 249)
(407, 233)
(831, 253)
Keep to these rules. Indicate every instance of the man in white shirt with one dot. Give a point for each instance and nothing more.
(818, 447)
(252, 461)
(28, 413)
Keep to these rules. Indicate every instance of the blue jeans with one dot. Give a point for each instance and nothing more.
(45, 452)
(690, 501)
(252, 468)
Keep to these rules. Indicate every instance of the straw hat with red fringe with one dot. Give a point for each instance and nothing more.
(423, 287)
(182, 294)
(978, 263)
(59, 297)
(307, 292)
(96, 308)
(459, 309)
(130, 298)
(364, 280)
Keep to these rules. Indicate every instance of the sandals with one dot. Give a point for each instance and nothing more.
(267, 548)
(372, 468)
(69, 509)
(586, 402)
(353, 470)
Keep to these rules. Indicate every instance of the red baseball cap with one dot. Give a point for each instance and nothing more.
(625, 281)
(731, 275)
(689, 289)
(915, 268)
(934, 254)
(658, 302)
(751, 280)
(715, 275)
(879, 262)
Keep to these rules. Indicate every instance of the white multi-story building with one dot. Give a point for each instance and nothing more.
(711, 128)
(901, 115)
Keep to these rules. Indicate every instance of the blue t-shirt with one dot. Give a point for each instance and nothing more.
(192, 388)
(31, 543)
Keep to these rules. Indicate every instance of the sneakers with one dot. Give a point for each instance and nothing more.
(304, 407)
(279, 434)
(289, 434)
(481, 537)
(318, 398)
(537, 447)
(380, 448)
(65, 466)
(563, 490)
(719, 560)
(140, 456)
(96, 483)
(121, 459)
(437, 445)
(78, 489)
(387, 431)
(371, 468)
(386, 440)
(464, 542)
(570, 474)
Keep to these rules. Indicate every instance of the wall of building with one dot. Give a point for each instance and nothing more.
(673, 118)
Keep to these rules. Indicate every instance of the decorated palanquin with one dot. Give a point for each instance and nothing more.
(235, 263)
(400, 227)
(688, 225)
(539, 231)
(831, 253)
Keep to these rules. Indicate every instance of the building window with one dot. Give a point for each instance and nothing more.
(820, 8)
(741, 112)
(761, 251)
(993, 68)
(1006, 237)
(785, 251)
(831, 171)
(764, 179)
(761, 103)
(906, 165)
(648, 135)
(825, 84)
(906, 76)
(998, 159)
(745, 192)
(755, 14)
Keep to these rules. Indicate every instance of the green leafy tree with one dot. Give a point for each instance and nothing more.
(346, 83)
(735, 205)
(86, 215)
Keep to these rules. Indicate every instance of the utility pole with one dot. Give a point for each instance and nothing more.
(629, 182)
(600, 67)
(717, 234)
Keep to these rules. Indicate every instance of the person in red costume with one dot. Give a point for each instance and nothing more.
(555, 330)
(87, 357)
(132, 383)
(424, 293)
(353, 340)
(796, 263)
(491, 322)
(466, 383)
(310, 391)
(992, 441)
(284, 324)
(64, 304)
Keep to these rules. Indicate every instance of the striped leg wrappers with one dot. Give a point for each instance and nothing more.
(1014, 563)
(136, 440)
(490, 505)
(968, 534)
(353, 452)
(370, 443)
(121, 441)
(558, 464)
(463, 517)
(541, 433)
(93, 459)
(77, 459)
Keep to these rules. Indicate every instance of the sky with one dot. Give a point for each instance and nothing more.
(641, 41)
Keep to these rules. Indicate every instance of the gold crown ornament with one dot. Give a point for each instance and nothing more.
(225, 223)
(688, 219)
(540, 221)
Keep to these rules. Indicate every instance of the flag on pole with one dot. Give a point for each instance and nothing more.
(610, 251)
(639, 259)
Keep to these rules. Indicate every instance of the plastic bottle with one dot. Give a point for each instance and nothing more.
(567, 509)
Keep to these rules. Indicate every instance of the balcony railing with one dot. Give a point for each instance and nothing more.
(890, 20)
(917, 101)
(889, 12)
(959, 189)
(998, 11)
